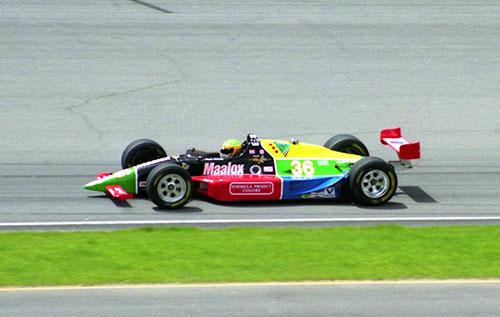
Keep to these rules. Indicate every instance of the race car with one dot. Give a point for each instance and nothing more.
(260, 169)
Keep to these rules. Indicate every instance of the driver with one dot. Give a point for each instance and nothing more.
(230, 148)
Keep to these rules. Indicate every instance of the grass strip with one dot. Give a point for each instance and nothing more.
(185, 255)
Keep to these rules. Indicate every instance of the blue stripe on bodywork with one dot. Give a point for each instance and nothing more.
(295, 187)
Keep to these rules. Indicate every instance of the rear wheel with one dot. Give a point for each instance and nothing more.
(141, 151)
(347, 143)
(169, 186)
(372, 181)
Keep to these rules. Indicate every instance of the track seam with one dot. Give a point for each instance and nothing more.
(152, 6)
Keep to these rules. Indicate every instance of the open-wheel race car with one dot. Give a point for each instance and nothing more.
(259, 169)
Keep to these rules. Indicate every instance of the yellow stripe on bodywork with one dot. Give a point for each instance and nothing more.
(304, 150)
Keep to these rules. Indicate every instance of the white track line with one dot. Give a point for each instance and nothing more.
(251, 284)
(240, 221)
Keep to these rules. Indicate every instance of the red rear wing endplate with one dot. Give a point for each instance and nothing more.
(405, 149)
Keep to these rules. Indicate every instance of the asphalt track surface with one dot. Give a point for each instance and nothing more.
(424, 298)
(82, 80)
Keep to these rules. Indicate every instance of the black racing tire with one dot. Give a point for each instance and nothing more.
(372, 181)
(347, 143)
(169, 186)
(141, 151)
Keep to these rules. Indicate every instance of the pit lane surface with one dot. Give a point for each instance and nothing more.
(82, 80)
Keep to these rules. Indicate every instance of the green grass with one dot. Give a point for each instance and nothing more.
(183, 255)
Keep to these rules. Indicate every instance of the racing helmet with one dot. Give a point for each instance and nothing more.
(230, 147)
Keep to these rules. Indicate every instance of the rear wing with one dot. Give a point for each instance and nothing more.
(406, 150)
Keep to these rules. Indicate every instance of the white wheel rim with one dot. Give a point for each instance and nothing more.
(375, 184)
(171, 188)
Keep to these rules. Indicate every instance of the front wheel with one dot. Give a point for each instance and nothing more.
(372, 181)
(141, 151)
(169, 186)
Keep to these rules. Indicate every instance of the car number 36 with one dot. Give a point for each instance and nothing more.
(302, 168)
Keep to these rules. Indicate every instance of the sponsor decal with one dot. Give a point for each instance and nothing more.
(346, 162)
(255, 169)
(261, 151)
(396, 142)
(322, 163)
(330, 192)
(251, 151)
(116, 191)
(260, 159)
(268, 169)
(251, 188)
(317, 195)
(282, 147)
(163, 159)
(223, 169)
